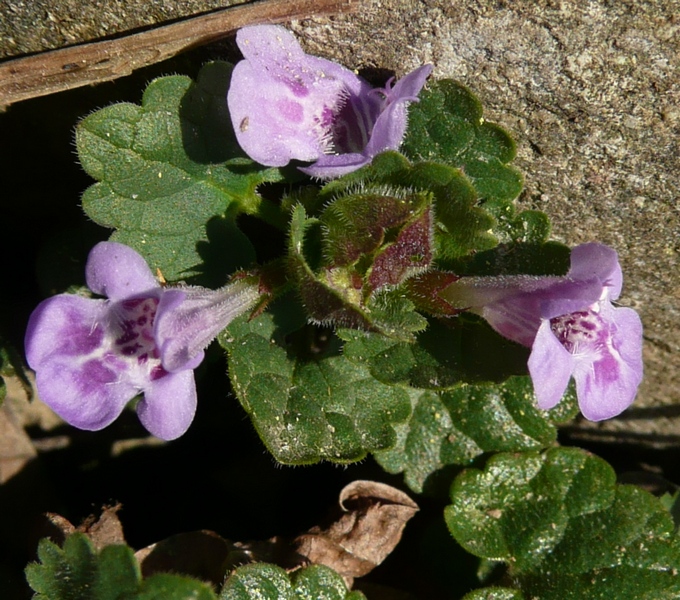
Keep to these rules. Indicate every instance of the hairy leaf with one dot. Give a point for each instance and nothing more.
(565, 528)
(169, 166)
(78, 572)
(261, 581)
(461, 226)
(454, 427)
(307, 404)
(494, 593)
(447, 126)
(336, 296)
(166, 586)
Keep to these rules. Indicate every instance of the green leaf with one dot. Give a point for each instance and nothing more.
(164, 586)
(452, 428)
(335, 296)
(447, 126)
(308, 405)
(318, 582)
(523, 249)
(448, 353)
(261, 581)
(565, 528)
(461, 225)
(494, 593)
(76, 572)
(168, 167)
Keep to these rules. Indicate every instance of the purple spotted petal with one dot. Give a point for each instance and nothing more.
(383, 128)
(92, 357)
(607, 385)
(286, 105)
(117, 271)
(550, 366)
(89, 395)
(169, 405)
(282, 101)
(76, 375)
(572, 327)
(65, 326)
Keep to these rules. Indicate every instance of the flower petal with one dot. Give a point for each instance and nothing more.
(390, 126)
(514, 305)
(65, 325)
(281, 100)
(608, 385)
(271, 125)
(116, 271)
(330, 166)
(550, 367)
(597, 261)
(410, 85)
(169, 405)
(75, 375)
(89, 395)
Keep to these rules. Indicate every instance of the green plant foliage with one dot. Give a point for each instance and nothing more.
(452, 428)
(447, 126)
(461, 225)
(671, 503)
(523, 246)
(78, 572)
(261, 581)
(335, 296)
(565, 528)
(448, 353)
(165, 586)
(495, 593)
(308, 405)
(169, 166)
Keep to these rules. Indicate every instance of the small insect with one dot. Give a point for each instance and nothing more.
(244, 124)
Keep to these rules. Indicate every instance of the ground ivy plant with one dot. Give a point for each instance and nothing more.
(392, 300)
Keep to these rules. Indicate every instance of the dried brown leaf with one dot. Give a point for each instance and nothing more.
(102, 531)
(16, 448)
(369, 525)
(105, 530)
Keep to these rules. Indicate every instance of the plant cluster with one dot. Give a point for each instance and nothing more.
(394, 302)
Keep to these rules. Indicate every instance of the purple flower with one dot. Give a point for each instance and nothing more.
(572, 327)
(92, 356)
(287, 105)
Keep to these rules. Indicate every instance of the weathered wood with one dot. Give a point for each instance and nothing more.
(94, 62)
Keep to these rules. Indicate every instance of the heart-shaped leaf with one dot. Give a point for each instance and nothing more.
(566, 530)
(169, 166)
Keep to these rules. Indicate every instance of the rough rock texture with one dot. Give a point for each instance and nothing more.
(589, 89)
(28, 26)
